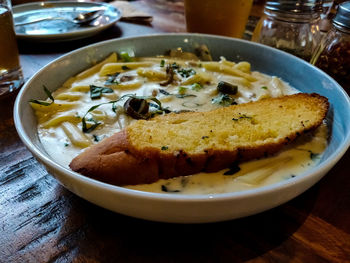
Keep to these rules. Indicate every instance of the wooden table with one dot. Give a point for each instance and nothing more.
(40, 221)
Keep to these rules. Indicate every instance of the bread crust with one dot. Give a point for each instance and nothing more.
(116, 161)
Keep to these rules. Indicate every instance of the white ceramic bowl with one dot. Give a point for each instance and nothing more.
(188, 208)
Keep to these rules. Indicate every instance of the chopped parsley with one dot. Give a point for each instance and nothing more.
(196, 87)
(125, 57)
(164, 148)
(223, 100)
(159, 110)
(112, 79)
(185, 73)
(175, 66)
(124, 67)
(162, 63)
(182, 90)
(264, 87)
(96, 92)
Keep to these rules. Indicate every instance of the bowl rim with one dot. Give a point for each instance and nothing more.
(316, 171)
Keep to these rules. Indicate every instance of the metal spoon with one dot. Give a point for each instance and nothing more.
(80, 19)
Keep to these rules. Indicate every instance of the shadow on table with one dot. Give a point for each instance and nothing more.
(121, 238)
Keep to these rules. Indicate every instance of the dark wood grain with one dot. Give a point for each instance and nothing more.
(40, 221)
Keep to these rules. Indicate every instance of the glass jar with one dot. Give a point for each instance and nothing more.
(333, 53)
(292, 26)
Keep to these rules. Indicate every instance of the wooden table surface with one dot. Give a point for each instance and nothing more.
(40, 221)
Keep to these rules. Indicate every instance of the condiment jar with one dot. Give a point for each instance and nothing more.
(290, 25)
(333, 53)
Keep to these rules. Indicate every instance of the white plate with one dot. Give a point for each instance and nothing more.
(59, 30)
(182, 208)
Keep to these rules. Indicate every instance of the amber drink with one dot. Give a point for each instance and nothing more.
(219, 17)
(11, 77)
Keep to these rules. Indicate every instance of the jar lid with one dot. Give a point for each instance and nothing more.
(295, 6)
(342, 17)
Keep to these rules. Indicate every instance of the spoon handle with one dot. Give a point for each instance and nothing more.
(43, 19)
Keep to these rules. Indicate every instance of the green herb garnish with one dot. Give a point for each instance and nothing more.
(92, 127)
(125, 67)
(126, 57)
(114, 107)
(182, 90)
(162, 63)
(264, 87)
(196, 87)
(175, 66)
(185, 73)
(223, 100)
(96, 92)
(164, 148)
(42, 102)
(112, 79)
(158, 109)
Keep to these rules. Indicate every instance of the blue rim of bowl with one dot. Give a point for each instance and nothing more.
(280, 186)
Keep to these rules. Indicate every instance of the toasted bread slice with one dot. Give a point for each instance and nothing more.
(187, 143)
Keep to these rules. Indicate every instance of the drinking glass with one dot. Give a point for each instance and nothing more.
(11, 77)
(220, 17)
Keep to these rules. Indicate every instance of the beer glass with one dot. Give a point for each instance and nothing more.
(11, 77)
(219, 17)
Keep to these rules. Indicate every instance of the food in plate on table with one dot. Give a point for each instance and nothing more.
(181, 123)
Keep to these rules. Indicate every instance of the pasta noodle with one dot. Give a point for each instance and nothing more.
(75, 135)
(90, 71)
(90, 106)
(111, 68)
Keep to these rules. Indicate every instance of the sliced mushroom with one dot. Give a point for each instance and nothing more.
(170, 76)
(137, 108)
(126, 78)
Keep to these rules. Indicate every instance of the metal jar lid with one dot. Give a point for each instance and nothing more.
(342, 17)
(295, 6)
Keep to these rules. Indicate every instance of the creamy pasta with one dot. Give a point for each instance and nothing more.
(91, 106)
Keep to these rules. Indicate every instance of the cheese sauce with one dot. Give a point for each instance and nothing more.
(194, 88)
